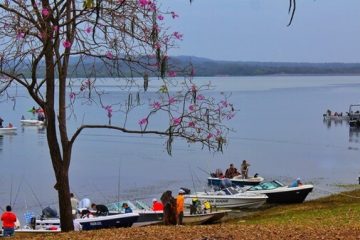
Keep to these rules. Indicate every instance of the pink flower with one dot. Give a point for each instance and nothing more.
(230, 116)
(174, 15)
(55, 28)
(172, 100)
(218, 132)
(172, 74)
(20, 35)
(72, 95)
(143, 3)
(109, 110)
(178, 35)
(160, 17)
(191, 124)
(200, 97)
(156, 105)
(45, 12)
(88, 30)
(193, 88)
(210, 135)
(176, 121)
(143, 121)
(109, 55)
(67, 44)
(192, 107)
(157, 45)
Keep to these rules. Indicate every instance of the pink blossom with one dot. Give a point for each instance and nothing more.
(109, 111)
(109, 55)
(192, 107)
(176, 121)
(172, 74)
(157, 45)
(230, 116)
(143, 121)
(156, 105)
(174, 15)
(45, 12)
(210, 135)
(178, 35)
(67, 44)
(88, 30)
(193, 88)
(172, 100)
(160, 17)
(143, 3)
(152, 6)
(200, 97)
(218, 132)
(55, 28)
(191, 124)
(224, 103)
(72, 95)
(20, 35)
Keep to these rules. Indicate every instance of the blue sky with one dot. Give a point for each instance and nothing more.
(255, 30)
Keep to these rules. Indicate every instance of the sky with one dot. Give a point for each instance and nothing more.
(256, 30)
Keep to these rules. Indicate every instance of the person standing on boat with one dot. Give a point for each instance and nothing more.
(8, 219)
(74, 205)
(231, 171)
(244, 169)
(180, 207)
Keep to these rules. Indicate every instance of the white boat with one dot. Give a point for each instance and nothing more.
(31, 122)
(197, 219)
(237, 181)
(228, 198)
(280, 193)
(6, 130)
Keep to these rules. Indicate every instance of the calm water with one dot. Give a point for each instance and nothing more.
(279, 130)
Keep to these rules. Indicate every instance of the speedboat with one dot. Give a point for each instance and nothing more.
(32, 122)
(228, 198)
(92, 223)
(7, 130)
(147, 216)
(280, 193)
(237, 181)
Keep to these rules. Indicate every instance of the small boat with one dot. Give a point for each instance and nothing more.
(98, 222)
(280, 193)
(237, 181)
(228, 198)
(354, 115)
(31, 122)
(197, 219)
(6, 130)
(147, 216)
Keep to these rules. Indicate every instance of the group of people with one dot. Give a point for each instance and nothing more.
(173, 207)
(232, 171)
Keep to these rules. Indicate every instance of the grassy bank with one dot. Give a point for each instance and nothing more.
(333, 217)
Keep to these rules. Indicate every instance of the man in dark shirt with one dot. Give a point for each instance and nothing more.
(101, 210)
(231, 172)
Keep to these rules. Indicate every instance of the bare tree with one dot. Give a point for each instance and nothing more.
(39, 39)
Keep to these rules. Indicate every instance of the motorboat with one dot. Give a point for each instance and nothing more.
(228, 198)
(147, 216)
(280, 193)
(354, 115)
(31, 122)
(92, 223)
(237, 181)
(7, 130)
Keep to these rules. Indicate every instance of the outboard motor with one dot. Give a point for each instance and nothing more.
(186, 190)
(33, 222)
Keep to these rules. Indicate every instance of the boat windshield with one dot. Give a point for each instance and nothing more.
(230, 191)
(266, 186)
(117, 206)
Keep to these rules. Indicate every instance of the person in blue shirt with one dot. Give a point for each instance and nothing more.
(126, 208)
(296, 183)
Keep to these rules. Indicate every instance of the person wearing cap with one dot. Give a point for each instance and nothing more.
(296, 183)
(180, 207)
(157, 206)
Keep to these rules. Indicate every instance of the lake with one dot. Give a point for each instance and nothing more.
(279, 129)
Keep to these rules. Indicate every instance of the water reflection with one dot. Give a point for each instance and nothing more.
(354, 134)
(333, 122)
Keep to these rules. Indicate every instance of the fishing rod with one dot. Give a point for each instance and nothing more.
(34, 195)
(18, 190)
(11, 189)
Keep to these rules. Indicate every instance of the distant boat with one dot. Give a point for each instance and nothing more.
(354, 115)
(280, 193)
(31, 122)
(7, 130)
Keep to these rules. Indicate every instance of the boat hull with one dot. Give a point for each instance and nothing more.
(7, 130)
(236, 181)
(31, 122)
(113, 221)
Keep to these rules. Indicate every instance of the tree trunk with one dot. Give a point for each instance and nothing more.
(64, 201)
